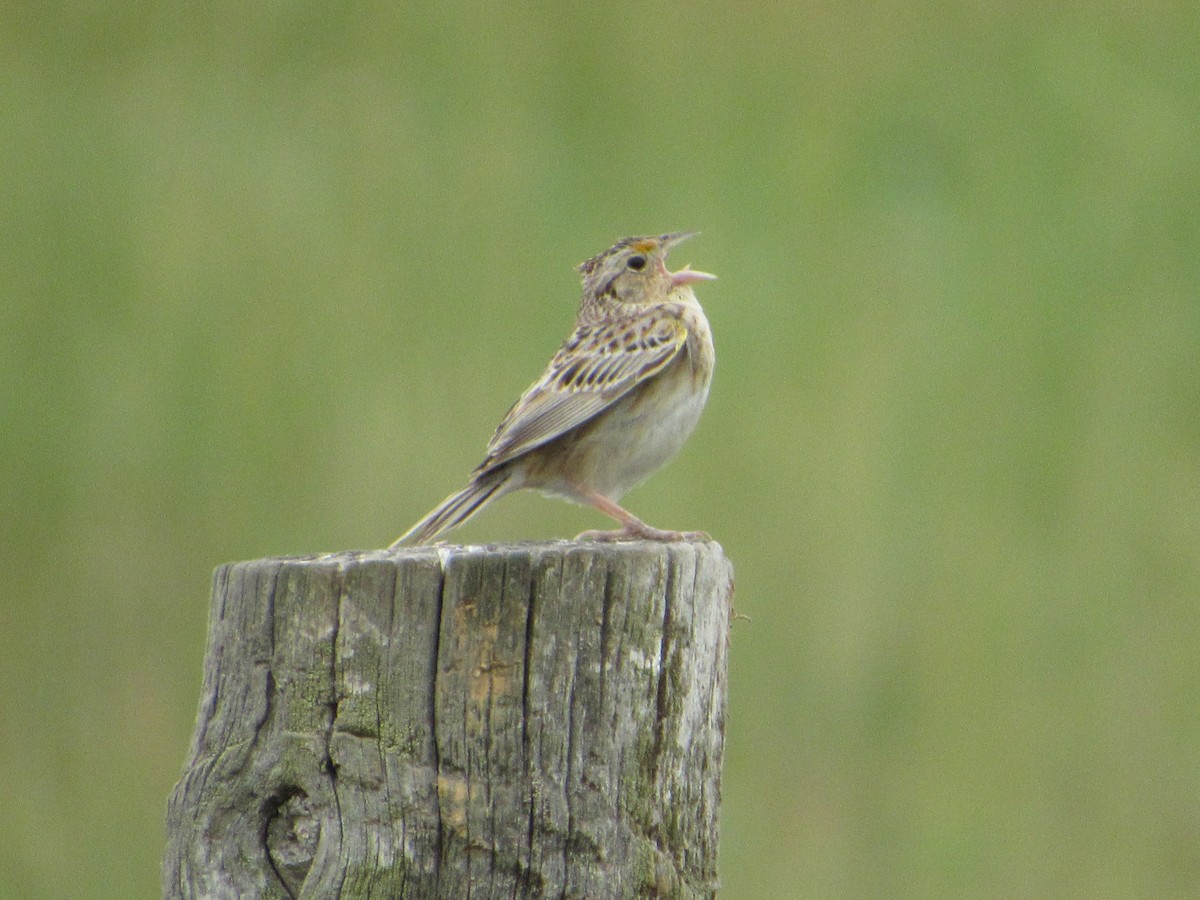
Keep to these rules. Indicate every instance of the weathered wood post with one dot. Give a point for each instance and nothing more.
(535, 720)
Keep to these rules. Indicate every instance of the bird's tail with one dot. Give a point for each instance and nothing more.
(456, 509)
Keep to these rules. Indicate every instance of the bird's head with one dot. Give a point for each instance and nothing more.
(634, 270)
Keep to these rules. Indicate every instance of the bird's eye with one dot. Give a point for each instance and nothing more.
(637, 263)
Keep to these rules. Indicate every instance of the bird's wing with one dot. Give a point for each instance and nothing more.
(597, 366)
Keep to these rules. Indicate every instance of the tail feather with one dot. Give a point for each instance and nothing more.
(455, 510)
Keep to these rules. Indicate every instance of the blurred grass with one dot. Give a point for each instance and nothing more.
(272, 274)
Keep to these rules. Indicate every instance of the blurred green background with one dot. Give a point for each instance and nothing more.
(271, 274)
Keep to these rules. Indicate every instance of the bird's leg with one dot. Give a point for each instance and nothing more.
(632, 528)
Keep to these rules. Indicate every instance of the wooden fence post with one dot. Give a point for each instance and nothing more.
(534, 720)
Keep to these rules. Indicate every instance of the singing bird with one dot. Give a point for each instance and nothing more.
(617, 401)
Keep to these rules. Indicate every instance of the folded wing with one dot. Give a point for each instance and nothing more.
(597, 366)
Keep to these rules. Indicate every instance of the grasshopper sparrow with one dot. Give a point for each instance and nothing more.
(617, 401)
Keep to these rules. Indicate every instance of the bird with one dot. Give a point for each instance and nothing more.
(617, 401)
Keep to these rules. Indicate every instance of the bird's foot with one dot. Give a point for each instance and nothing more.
(642, 532)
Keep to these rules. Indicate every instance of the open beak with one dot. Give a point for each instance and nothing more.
(684, 275)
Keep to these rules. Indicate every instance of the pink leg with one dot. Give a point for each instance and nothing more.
(631, 526)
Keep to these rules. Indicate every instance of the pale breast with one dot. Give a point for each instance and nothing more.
(643, 430)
